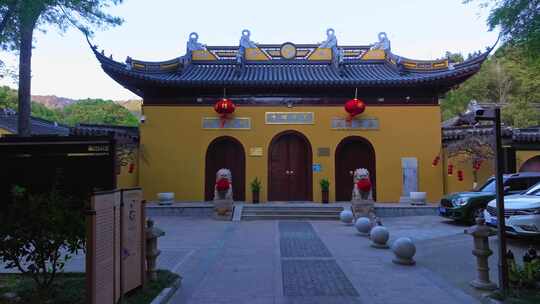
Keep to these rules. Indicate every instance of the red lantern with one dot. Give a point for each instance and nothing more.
(224, 107)
(354, 107)
(131, 168)
(450, 169)
(460, 175)
(477, 164)
(436, 161)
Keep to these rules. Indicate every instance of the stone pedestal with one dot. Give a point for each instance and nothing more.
(223, 208)
(166, 198)
(481, 251)
(363, 208)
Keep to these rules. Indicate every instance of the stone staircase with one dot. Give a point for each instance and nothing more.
(293, 212)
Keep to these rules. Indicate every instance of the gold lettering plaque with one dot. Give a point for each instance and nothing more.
(256, 151)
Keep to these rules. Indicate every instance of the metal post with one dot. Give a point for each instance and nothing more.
(503, 264)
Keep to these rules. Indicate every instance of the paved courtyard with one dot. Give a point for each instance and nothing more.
(278, 262)
(316, 262)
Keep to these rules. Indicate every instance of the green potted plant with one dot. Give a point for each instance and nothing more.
(325, 186)
(255, 190)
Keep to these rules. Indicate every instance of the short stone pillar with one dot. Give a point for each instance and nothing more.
(152, 251)
(481, 234)
(379, 236)
(404, 250)
(363, 225)
(346, 216)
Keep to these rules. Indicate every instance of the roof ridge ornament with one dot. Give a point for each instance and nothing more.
(383, 43)
(245, 43)
(193, 43)
(331, 39)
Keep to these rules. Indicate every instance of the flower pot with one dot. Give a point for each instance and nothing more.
(255, 195)
(325, 195)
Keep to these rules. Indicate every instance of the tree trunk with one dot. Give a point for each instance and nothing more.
(25, 75)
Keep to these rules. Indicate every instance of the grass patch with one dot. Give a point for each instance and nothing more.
(70, 288)
(518, 297)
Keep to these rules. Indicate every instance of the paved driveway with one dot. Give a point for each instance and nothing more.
(310, 262)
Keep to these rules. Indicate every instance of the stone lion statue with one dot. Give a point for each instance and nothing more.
(223, 189)
(361, 185)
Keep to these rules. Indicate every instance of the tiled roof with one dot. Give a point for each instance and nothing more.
(325, 65)
(123, 134)
(38, 126)
(528, 135)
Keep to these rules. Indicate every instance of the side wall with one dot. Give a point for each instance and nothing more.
(173, 147)
(523, 155)
(128, 179)
(451, 182)
(4, 132)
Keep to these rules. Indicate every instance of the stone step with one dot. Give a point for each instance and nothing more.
(290, 212)
(321, 212)
(247, 217)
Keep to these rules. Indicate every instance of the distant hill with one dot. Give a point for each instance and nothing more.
(52, 101)
(56, 102)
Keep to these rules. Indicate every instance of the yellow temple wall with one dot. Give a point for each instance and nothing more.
(451, 182)
(523, 155)
(173, 147)
(126, 179)
(4, 132)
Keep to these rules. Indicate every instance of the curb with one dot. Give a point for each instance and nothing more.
(165, 295)
(488, 300)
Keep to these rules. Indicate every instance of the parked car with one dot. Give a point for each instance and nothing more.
(466, 206)
(521, 212)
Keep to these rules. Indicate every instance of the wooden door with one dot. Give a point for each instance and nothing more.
(289, 168)
(226, 152)
(352, 153)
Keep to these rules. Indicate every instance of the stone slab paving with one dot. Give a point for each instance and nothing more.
(242, 262)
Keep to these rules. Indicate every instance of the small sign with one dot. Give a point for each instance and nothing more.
(256, 151)
(289, 118)
(237, 123)
(355, 124)
(317, 167)
(325, 151)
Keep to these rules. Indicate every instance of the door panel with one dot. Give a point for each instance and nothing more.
(352, 153)
(289, 168)
(225, 152)
(278, 168)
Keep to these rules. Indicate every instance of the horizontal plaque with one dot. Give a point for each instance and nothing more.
(289, 118)
(355, 124)
(256, 151)
(323, 151)
(237, 123)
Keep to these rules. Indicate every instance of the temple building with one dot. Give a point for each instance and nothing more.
(290, 115)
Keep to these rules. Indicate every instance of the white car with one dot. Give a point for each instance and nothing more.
(521, 212)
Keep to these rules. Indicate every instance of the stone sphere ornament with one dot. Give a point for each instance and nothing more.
(379, 237)
(404, 250)
(363, 225)
(346, 217)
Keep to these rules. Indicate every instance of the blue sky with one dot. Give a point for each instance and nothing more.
(158, 30)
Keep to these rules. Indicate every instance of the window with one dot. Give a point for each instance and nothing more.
(517, 184)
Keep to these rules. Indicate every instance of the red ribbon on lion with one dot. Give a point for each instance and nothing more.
(364, 184)
(223, 184)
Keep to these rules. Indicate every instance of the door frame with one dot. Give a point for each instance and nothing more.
(243, 166)
(373, 175)
(309, 159)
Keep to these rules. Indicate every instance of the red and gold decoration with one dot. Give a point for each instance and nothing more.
(460, 175)
(477, 164)
(224, 107)
(131, 168)
(435, 161)
(354, 106)
(222, 185)
(450, 169)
